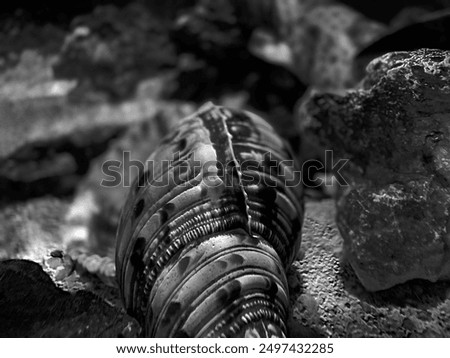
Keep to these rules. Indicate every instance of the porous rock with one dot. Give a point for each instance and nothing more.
(410, 30)
(395, 129)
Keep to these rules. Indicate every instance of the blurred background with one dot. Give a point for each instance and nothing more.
(265, 56)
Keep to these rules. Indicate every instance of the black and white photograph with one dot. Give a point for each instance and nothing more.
(225, 169)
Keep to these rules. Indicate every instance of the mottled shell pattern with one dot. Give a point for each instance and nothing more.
(210, 228)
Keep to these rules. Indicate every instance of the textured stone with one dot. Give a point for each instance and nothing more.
(395, 219)
(397, 232)
(32, 306)
(331, 302)
(408, 32)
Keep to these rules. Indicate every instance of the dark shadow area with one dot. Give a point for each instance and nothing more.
(32, 306)
(51, 11)
(385, 10)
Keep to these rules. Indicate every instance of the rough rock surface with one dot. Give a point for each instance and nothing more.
(32, 306)
(408, 34)
(395, 219)
(329, 301)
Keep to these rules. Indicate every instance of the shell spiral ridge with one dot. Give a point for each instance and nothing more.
(209, 229)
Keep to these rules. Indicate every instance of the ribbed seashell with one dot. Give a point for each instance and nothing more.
(209, 230)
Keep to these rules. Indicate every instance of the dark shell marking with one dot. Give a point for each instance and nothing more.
(203, 243)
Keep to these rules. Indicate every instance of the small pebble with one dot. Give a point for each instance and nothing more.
(54, 262)
(61, 273)
(92, 263)
(57, 253)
